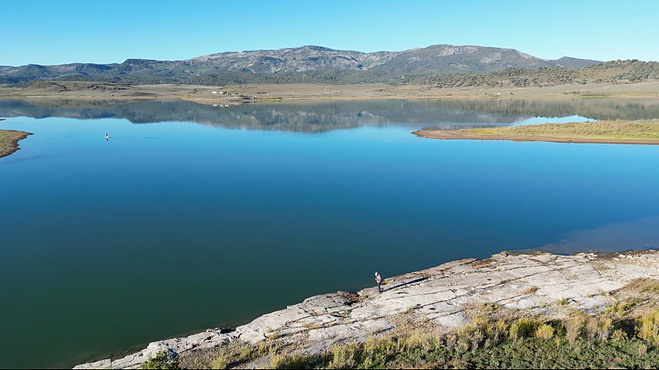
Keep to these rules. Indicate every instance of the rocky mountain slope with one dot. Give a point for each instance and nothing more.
(302, 64)
(432, 59)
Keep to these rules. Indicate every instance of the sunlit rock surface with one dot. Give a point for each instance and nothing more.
(527, 281)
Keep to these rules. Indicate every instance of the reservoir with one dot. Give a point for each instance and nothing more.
(195, 216)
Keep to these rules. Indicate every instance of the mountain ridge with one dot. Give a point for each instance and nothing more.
(304, 63)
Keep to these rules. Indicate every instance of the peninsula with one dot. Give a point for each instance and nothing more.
(452, 311)
(9, 140)
(600, 132)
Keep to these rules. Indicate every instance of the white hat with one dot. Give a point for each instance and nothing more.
(376, 274)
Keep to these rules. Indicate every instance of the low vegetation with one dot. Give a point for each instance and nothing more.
(579, 341)
(9, 141)
(140, 71)
(614, 72)
(498, 339)
(641, 129)
(618, 131)
(624, 335)
(525, 343)
(162, 361)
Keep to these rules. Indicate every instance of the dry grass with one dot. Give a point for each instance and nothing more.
(276, 92)
(235, 354)
(483, 262)
(531, 290)
(642, 285)
(581, 340)
(9, 141)
(497, 337)
(642, 129)
(619, 131)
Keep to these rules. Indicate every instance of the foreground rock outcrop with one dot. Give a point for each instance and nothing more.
(534, 282)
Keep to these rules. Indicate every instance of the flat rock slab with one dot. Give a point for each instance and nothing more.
(528, 281)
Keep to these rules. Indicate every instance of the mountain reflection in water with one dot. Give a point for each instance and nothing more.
(175, 227)
(326, 116)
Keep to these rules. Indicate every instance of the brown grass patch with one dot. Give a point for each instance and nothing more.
(9, 141)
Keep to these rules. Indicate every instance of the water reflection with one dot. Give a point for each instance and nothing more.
(166, 213)
(638, 234)
(320, 117)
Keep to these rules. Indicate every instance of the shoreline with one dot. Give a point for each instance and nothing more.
(253, 93)
(548, 284)
(438, 134)
(638, 132)
(9, 141)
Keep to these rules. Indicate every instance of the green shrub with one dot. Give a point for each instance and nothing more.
(605, 325)
(650, 286)
(545, 331)
(344, 356)
(647, 327)
(574, 327)
(523, 328)
(161, 361)
(578, 342)
(220, 363)
(290, 362)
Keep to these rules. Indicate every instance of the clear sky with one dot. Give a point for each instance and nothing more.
(110, 31)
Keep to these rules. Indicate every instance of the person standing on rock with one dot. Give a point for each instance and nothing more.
(378, 279)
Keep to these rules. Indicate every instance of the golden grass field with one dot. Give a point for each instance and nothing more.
(614, 132)
(277, 92)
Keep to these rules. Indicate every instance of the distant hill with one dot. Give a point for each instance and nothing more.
(12, 75)
(303, 64)
(614, 72)
(433, 59)
(440, 65)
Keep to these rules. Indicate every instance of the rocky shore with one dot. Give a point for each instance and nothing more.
(540, 283)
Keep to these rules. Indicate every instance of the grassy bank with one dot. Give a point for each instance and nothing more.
(624, 335)
(9, 141)
(622, 132)
(248, 93)
(579, 342)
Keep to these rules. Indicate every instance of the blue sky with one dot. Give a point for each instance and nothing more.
(110, 31)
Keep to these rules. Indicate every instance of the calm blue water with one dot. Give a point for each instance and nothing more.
(174, 227)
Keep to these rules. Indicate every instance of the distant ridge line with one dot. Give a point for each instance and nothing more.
(305, 64)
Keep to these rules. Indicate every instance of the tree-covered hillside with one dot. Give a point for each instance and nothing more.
(627, 71)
